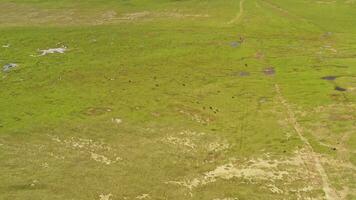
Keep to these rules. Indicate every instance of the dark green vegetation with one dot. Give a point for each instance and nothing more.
(215, 100)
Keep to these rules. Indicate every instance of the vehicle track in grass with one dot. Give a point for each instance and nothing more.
(286, 13)
(330, 193)
(239, 14)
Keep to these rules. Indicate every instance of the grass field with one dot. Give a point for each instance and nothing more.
(178, 99)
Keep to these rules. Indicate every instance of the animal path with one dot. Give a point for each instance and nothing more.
(287, 13)
(330, 194)
(239, 15)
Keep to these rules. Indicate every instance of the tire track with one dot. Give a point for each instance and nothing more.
(289, 14)
(330, 193)
(239, 15)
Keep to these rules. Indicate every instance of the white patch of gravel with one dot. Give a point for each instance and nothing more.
(191, 133)
(116, 120)
(54, 50)
(184, 142)
(98, 151)
(105, 196)
(271, 172)
(216, 146)
(143, 196)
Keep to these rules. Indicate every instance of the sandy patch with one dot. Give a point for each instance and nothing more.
(274, 189)
(278, 176)
(97, 151)
(191, 141)
(116, 120)
(179, 14)
(163, 14)
(34, 183)
(105, 196)
(218, 146)
(134, 16)
(196, 115)
(103, 159)
(109, 15)
(143, 196)
(191, 133)
(184, 142)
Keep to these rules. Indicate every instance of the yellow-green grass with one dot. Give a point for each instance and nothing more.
(172, 100)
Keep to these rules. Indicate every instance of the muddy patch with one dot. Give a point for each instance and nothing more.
(241, 73)
(235, 44)
(340, 89)
(329, 78)
(269, 71)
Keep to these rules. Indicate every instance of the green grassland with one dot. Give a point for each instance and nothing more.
(178, 99)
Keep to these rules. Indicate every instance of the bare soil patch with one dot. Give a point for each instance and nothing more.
(96, 111)
(269, 71)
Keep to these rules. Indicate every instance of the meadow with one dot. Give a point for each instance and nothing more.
(177, 99)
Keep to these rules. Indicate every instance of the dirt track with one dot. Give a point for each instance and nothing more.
(239, 15)
(330, 193)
